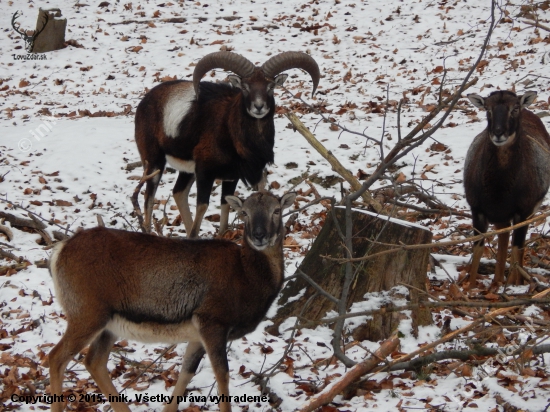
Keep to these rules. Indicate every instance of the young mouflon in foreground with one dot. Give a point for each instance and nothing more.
(112, 283)
(506, 175)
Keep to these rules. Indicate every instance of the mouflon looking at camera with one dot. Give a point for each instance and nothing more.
(506, 175)
(113, 283)
(210, 131)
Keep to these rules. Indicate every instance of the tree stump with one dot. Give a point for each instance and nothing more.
(53, 36)
(371, 234)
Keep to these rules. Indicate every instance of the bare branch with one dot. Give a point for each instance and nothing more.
(410, 142)
(334, 162)
(465, 355)
(170, 20)
(456, 333)
(35, 215)
(415, 306)
(8, 255)
(16, 221)
(7, 231)
(313, 202)
(536, 24)
(328, 394)
(316, 286)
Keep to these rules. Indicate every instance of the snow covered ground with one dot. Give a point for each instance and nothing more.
(65, 160)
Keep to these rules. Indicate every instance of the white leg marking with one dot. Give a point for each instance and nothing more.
(199, 214)
(182, 200)
(262, 183)
(224, 219)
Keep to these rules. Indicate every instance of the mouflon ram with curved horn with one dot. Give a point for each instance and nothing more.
(210, 131)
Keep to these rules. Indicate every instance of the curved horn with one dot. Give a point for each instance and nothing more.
(233, 62)
(293, 60)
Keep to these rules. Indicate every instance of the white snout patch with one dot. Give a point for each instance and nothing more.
(258, 115)
(187, 166)
(503, 140)
(260, 247)
(254, 112)
(176, 108)
(264, 244)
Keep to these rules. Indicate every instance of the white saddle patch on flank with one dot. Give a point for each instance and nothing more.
(187, 166)
(177, 106)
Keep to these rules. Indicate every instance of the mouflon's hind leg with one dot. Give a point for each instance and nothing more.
(96, 363)
(214, 339)
(262, 183)
(73, 341)
(204, 187)
(181, 196)
(228, 189)
(151, 187)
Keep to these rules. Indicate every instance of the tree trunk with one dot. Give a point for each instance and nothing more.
(371, 234)
(53, 36)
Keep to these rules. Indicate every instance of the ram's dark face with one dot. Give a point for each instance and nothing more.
(503, 110)
(258, 92)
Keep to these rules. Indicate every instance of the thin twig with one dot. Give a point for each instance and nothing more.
(8, 255)
(536, 24)
(316, 286)
(465, 355)
(421, 305)
(37, 216)
(148, 367)
(313, 202)
(6, 231)
(334, 162)
(457, 332)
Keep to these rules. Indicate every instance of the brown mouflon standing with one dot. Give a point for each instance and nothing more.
(210, 131)
(506, 175)
(112, 283)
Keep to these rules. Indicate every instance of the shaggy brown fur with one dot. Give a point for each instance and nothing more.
(507, 174)
(114, 283)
